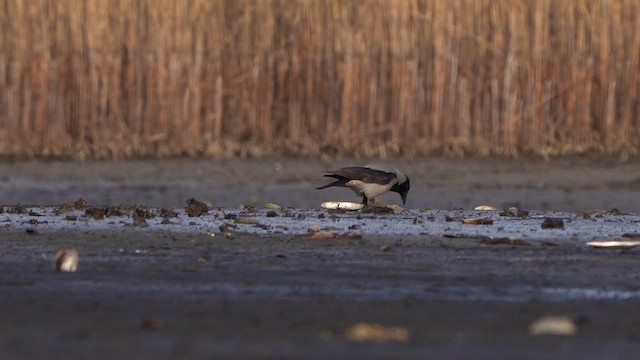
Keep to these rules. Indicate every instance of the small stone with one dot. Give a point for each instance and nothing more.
(484, 221)
(196, 208)
(167, 213)
(140, 221)
(272, 213)
(553, 223)
(97, 213)
(80, 204)
(65, 207)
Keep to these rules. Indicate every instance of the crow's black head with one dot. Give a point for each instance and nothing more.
(402, 189)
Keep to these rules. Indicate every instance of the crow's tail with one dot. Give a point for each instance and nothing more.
(339, 182)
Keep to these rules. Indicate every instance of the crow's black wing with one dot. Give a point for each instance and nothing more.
(365, 174)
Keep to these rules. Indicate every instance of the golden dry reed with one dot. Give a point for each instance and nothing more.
(371, 78)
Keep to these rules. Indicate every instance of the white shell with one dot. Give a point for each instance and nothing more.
(485, 208)
(343, 205)
(613, 244)
(66, 260)
(553, 325)
(272, 206)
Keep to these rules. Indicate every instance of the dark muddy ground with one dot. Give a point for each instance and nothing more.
(266, 287)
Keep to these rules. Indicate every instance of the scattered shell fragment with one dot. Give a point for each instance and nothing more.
(553, 325)
(319, 235)
(614, 245)
(385, 248)
(396, 208)
(341, 205)
(375, 332)
(485, 208)
(313, 228)
(272, 206)
(484, 221)
(66, 260)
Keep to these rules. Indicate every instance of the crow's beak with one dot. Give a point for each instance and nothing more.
(404, 197)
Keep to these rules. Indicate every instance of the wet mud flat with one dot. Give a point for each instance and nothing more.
(310, 283)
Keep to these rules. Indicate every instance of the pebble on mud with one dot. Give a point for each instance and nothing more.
(553, 223)
(378, 209)
(167, 213)
(65, 207)
(196, 208)
(227, 227)
(272, 213)
(66, 260)
(97, 213)
(553, 325)
(80, 204)
(515, 212)
(139, 221)
(483, 221)
(363, 331)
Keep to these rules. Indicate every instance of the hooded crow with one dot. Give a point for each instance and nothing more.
(370, 181)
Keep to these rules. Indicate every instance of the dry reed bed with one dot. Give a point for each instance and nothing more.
(125, 78)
